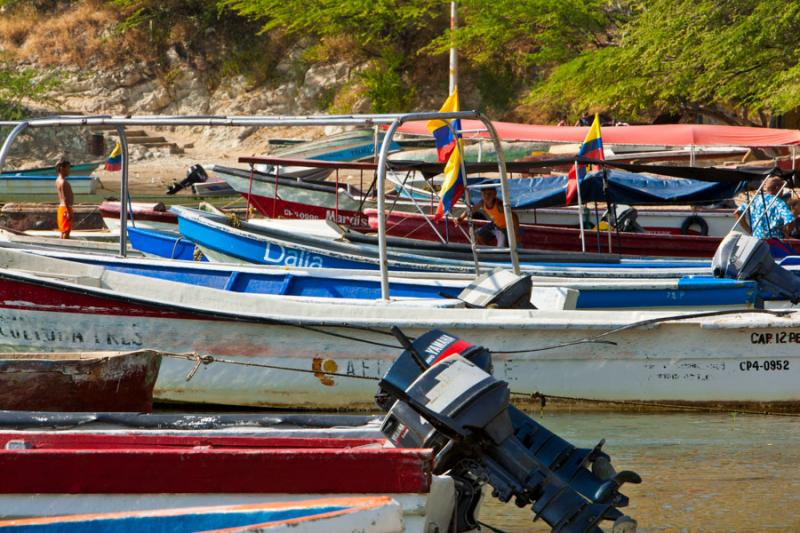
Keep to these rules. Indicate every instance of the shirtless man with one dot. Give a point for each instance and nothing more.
(65, 199)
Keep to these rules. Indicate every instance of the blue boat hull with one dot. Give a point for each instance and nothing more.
(687, 292)
(162, 244)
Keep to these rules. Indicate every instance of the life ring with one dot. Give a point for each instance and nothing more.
(694, 220)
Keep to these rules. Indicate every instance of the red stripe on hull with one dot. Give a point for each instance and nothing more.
(140, 465)
(20, 294)
(278, 208)
(539, 237)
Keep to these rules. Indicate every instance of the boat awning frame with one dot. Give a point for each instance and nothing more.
(393, 120)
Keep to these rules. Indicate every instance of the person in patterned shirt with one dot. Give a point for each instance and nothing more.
(768, 216)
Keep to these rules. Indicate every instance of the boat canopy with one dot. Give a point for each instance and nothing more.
(649, 135)
(623, 188)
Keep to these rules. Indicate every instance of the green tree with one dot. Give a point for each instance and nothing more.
(16, 87)
(738, 60)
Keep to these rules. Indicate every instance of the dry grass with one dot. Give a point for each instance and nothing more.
(81, 34)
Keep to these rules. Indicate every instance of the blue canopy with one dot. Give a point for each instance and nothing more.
(623, 188)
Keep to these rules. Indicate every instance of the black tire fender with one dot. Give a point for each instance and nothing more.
(694, 220)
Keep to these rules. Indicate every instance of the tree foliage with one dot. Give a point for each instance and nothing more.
(19, 86)
(738, 60)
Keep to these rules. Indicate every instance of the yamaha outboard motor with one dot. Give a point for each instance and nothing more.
(440, 394)
(744, 257)
(195, 174)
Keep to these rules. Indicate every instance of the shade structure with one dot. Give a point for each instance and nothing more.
(623, 187)
(658, 134)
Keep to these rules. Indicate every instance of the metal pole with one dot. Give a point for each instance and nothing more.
(501, 164)
(580, 206)
(19, 128)
(453, 49)
(123, 208)
(381, 191)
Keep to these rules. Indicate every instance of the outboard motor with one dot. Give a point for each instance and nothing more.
(195, 174)
(440, 394)
(498, 289)
(624, 218)
(744, 257)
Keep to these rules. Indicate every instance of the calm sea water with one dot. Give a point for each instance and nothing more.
(701, 472)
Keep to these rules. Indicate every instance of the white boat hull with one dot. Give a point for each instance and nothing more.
(724, 361)
(421, 512)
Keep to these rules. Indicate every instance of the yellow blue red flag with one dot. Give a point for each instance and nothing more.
(453, 186)
(442, 134)
(592, 147)
(115, 159)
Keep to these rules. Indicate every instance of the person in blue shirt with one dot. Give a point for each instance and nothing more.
(768, 216)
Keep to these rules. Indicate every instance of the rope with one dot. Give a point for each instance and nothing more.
(208, 359)
(596, 339)
(542, 398)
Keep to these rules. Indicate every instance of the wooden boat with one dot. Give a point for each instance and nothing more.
(93, 381)
(362, 515)
(53, 474)
(417, 226)
(142, 215)
(689, 292)
(655, 356)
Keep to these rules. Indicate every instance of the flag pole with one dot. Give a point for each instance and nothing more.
(580, 207)
(453, 50)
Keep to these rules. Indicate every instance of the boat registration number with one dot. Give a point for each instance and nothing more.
(770, 365)
(781, 337)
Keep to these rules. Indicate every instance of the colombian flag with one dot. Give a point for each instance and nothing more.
(115, 159)
(445, 142)
(592, 147)
(453, 186)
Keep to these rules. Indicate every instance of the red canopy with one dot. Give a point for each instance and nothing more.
(660, 134)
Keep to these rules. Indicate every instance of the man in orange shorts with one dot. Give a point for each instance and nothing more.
(65, 199)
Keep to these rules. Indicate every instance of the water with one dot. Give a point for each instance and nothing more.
(701, 472)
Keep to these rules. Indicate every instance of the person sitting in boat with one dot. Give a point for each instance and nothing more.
(492, 208)
(768, 217)
(64, 214)
(794, 227)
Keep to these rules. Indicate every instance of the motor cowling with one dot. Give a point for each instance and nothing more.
(440, 394)
(195, 174)
(744, 257)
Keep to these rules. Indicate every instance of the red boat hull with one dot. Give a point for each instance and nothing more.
(538, 237)
(279, 208)
(52, 463)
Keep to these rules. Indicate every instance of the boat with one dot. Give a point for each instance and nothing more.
(82, 381)
(318, 244)
(284, 197)
(264, 350)
(346, 146)
(140, 215)
(423, 227)
(83, 168)
(16, 239)
(13, 184)
(53, 474)
(168, 244)
(689, 292)
(364, 514)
